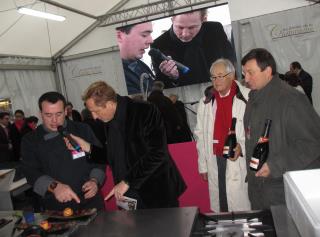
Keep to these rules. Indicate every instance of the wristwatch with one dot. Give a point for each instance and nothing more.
(52, 186)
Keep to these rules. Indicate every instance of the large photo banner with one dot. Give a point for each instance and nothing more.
(175, 54)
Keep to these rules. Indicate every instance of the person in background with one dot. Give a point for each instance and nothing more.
(181, 109)
(59, 174)
(226, 177)
(15, 133)
(137, 150)
(208, 94)
(133, 41)
(294, 81)
(176, 129)
(98, 128)
(6, 153)
(30, 125)
(305, 78)
(194, 42)
(72, 114)
(294, 137)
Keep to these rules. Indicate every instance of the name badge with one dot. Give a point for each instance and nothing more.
(78, 154)
(215, 141)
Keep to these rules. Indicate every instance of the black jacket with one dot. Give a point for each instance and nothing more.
(207, 46)
(132, 72)
(176, 129)
(306, 83)
(43, 156)
(143, 151)
(5, 154)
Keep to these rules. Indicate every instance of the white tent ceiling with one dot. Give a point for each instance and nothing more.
(35, 37)
(31, 36)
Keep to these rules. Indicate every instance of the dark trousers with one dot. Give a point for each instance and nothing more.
(222, 165)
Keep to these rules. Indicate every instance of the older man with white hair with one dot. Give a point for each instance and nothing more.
(226, 177)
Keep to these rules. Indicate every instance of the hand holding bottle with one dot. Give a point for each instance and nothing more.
(230, 141)
(237, 152)
(204, 176)
(264, 171)
(261, 149)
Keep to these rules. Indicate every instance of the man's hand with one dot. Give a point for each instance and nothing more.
(118, 191)
(237, 152)
(90, 188)
(264, 171)
(85, 146)
(169, 68)
(204, 176)
(63, 193)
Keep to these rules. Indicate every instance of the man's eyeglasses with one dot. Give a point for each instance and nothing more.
(219, 77)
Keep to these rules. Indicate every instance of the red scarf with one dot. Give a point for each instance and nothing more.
(19, 124)
(223, 119)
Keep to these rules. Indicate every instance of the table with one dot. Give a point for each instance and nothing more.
(283, 222)
(9, 188)
(168, 222)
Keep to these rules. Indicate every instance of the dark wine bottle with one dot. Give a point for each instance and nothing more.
(231, 141)
(261, 150)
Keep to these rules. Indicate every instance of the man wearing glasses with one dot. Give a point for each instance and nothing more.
(227, 187)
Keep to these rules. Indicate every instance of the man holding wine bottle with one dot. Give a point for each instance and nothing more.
(220, 133)
(282, 130)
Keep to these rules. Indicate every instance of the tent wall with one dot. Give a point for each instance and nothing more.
(250, 8)
(292, 35)
(78, 73)
(24, 86)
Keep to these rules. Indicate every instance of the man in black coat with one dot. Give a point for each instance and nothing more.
(176, 129)
(305, 78)
(15, 133)
(193, 42)
(62, 176)
(137, 150)
(6, 153)
(72, 114)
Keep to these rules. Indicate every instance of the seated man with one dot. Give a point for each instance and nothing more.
(62, 177)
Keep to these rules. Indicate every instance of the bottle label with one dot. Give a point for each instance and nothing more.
(225, 150)
(263, 139)
(254, 163)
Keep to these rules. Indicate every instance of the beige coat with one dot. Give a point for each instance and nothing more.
(236, 171)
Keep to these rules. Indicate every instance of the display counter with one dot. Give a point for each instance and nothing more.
(168, 222)
(174, 222)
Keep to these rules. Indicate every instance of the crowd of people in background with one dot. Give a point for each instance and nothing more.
(11, 135)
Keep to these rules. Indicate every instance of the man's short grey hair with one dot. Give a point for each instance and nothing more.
(158, 86)
(226, 62)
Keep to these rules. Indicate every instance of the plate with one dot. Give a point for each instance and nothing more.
(3, 222)
(56, 228)
(77, 214)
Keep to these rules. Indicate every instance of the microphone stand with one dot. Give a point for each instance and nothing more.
(190, 110)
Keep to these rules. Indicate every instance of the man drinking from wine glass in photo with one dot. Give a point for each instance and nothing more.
(294, 134)
(225, 174)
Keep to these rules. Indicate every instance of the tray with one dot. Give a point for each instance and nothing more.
(77, 214)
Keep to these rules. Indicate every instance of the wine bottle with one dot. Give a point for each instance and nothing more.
(231, 141)
(261, 150)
